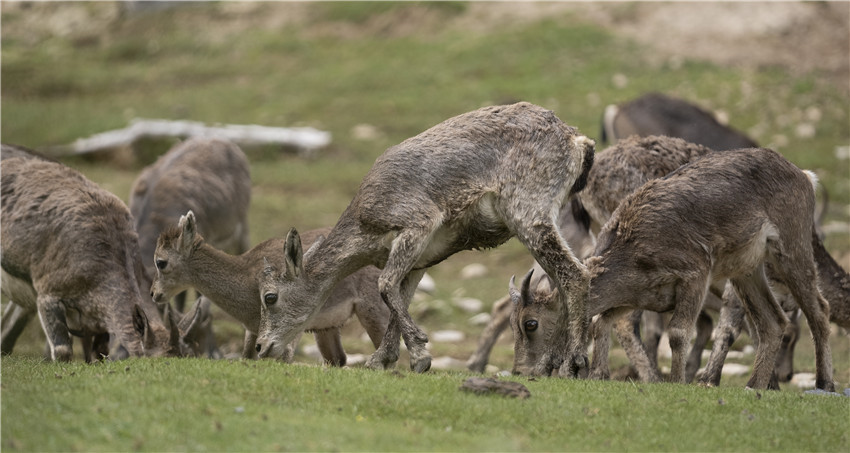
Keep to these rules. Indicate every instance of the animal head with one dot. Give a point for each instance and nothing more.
(174, 248)
(535, 312)
(165, 337)
(288, 298)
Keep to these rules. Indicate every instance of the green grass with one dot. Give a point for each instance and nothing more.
(341, 66)
(192, 404)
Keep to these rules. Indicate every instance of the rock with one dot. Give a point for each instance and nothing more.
(734, 369)
(447, 363)
(469, 304)
(447, 336)
(355, 359)
(474, 270)
(486, 386)
(824, 392)
(804, 380)
(481, 319)
(427, 285)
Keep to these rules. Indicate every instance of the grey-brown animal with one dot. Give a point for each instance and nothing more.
(660, 114)
(185, 260)
(70, 253)
(209, 176)
(470, 182)
(724, 216)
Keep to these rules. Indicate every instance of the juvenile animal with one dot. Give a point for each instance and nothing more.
(724, 216)
(185, 260)
(70, 253)
(659, 114)
(470, 182)
(209, 176)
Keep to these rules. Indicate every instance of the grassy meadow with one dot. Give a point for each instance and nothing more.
(374, 74)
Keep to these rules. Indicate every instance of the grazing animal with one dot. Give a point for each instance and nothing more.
(209, 176)
(470, 182)
(185, 260)
(659, 114)
(69, 253)
(724, 216)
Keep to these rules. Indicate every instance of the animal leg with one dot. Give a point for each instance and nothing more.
(630, 341)
(600, 332)
(689, 297)
(51, 313)
(727, 331)
(15, 319)
(769, 321)
(249, 345)
(374, 317)
(785, 359)
(803, 286)
(704, 328)
(330, 345)
(414, 338)
(653, 327)
(501, 317)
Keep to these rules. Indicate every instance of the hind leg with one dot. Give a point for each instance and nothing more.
(769, 322)
(803, 286)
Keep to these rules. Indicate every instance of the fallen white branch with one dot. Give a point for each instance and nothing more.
(305, 139)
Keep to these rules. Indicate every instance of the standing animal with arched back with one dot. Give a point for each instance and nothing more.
(470, 182)
(724, 216)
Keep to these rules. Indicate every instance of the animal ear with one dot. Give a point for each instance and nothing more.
(192, 319)
(188, 229)
(293, 255)
(545, 284)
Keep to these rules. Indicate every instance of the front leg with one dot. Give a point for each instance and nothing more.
(51, 313)
(501, 316)
(330, 345)
(630, 341)
(249, 345)
(15, 319)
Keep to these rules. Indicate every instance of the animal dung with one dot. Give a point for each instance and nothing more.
(485, 386)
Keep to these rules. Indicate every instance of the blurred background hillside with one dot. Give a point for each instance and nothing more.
(376, 73)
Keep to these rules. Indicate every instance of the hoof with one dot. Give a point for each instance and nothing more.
(380, 362)
(63, 353)
(420, 366)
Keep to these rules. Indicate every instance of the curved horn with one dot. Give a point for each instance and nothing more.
(523, 294)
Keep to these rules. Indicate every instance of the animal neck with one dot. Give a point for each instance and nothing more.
(343, 252)
(228, 281)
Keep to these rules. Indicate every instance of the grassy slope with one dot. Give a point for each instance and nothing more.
(175, 64)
